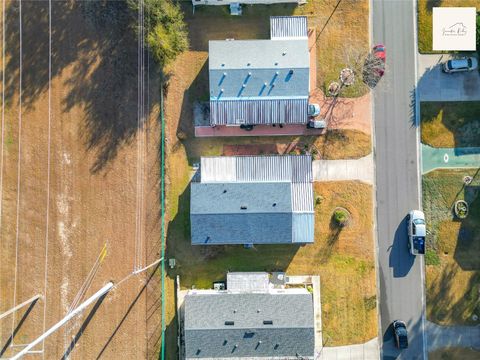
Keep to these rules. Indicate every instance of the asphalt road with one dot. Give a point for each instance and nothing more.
(401, 276)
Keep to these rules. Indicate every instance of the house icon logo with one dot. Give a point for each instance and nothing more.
(457, 29)
(454, 28)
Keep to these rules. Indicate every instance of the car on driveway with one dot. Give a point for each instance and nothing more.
(317, 124)
(417, 231)
(313, 110)
(401, 334)
(459, 65)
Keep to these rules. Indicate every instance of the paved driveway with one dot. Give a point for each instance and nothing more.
(452, 336)
(336, 170)
(434, 85)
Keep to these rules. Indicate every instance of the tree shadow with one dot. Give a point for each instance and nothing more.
(332, 239)
(19, 325)
(95, 49)
(400, 258)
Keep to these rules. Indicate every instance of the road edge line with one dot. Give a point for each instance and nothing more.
(419, 171)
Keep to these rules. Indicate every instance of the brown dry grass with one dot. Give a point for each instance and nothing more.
(343, 259)
(453, 282)
(352, 257)
(342, 41)
(93, 186)
(450, 124)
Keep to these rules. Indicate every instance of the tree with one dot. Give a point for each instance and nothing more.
(165, 30)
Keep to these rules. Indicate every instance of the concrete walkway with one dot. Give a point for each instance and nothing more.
(334, 170)
(366, 351)
(435, 158)
(452, 336)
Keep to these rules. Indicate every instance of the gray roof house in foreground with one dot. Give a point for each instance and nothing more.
(260, 82)
(253, 200)
(248, 322)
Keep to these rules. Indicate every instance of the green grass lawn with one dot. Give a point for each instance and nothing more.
(450, 124)
(425, 19)
(340, 44)
(453, 265)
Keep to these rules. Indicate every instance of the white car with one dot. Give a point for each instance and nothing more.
(313, 110)
(462, 64)
(317, 124)
(417, 231)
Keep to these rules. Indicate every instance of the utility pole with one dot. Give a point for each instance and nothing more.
(12, 310)
(105, 289)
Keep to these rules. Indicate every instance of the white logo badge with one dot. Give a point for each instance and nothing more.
(454, 28)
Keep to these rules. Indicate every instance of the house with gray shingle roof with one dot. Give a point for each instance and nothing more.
(250, 320)
(261, 82)
(252, 200)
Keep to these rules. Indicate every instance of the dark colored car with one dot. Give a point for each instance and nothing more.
(401, 334)
(246, 127)
(381, 55)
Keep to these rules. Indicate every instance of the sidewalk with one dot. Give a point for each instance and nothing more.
(452, 336)
(366, 351)
(334, 170)
(437, 158)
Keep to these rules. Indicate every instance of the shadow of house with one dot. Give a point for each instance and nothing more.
(202, 265)
(461, 118)
(400, 258)
(197, 92)
(94, 46)
(216, 23)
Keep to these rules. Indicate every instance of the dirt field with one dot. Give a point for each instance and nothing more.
(78, 172)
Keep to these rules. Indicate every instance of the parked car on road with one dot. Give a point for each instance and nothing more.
(381, 55)
(401, 334)
(313, 110)
(416, 232)
(459, 65)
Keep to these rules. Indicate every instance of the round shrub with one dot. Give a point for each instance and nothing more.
(341, 217)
